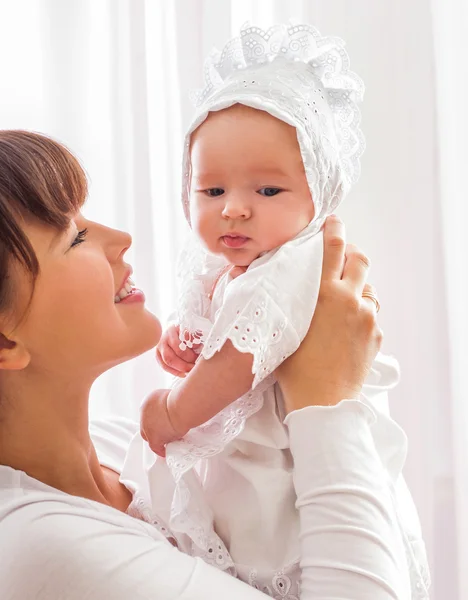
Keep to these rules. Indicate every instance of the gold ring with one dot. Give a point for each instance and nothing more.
(374, 299)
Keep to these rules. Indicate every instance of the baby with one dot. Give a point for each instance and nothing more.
(248, 196)
(273, 149)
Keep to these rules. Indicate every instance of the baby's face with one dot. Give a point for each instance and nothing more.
(248, 189)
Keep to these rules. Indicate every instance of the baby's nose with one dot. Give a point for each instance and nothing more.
(236, 208)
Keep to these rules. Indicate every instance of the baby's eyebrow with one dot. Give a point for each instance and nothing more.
(260, 171)
(273, 171)
(204, 175)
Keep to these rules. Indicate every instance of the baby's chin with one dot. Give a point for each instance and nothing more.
(243, 259)
(240, 257)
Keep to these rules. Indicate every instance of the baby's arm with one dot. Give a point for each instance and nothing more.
(213, 384)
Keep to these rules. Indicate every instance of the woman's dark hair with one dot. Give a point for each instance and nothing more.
(41, 181)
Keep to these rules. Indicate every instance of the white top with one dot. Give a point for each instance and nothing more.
(54, 546)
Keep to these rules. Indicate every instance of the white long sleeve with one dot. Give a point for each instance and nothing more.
(56, 546)
(351, 545)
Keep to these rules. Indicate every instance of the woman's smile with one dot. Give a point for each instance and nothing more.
(128, 293)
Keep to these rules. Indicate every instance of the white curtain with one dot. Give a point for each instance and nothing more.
(451, 49)
(111, 79)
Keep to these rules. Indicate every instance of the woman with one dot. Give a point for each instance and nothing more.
(66, 525)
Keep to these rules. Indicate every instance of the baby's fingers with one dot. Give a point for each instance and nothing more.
(170, 361)
(158, 449)
(187, 355)
(168, 369)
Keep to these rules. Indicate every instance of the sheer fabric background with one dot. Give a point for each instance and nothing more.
(110, 78)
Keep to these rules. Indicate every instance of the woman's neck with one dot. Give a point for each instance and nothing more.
(44, 432)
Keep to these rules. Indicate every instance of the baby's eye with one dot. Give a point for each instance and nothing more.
(269, 191)
(214, 192)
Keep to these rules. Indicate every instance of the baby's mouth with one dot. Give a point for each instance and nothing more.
(233, 240)
(127, 289)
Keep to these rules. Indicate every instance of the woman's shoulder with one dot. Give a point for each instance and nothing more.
(25, 500)
(59, 546)
(111, 438)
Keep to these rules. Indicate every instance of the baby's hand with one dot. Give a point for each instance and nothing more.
(169, 355)
(156, 427)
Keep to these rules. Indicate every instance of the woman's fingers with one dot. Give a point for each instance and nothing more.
(355, 273)
(370, 298)
(356, 268)
(333, 248)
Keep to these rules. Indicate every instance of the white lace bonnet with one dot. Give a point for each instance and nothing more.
(302, 78)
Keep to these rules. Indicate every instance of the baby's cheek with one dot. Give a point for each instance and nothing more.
(205, 229)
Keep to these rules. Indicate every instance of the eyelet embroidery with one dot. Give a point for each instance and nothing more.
(281, 585)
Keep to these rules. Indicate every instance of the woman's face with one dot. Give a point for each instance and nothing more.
(76, 325)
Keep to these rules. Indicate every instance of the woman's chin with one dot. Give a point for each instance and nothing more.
(137, 337)
(145, 335)
(151, 332)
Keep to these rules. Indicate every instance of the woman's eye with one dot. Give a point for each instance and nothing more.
(269, 191)
(80, 238)
(214, 192)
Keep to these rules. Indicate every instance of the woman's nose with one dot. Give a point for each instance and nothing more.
(236, 208)
(116, 242)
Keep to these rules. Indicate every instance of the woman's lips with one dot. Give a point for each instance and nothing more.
(135, 295)
(234, 241)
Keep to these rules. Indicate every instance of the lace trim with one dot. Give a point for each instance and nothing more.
(191, 515)
(216, 555)
(196, 272)
(140, 509)
(212, 437)
(284, 584)
(255, 324)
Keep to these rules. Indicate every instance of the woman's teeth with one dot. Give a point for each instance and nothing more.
(125, 291)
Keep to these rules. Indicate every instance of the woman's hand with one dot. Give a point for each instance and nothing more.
(170, 356)
(336, 355)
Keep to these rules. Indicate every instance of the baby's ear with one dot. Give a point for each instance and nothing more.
(13, 355)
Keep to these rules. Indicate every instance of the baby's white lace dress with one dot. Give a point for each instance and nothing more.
(231, 498)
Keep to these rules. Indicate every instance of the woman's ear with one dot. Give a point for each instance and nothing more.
(13, 355)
